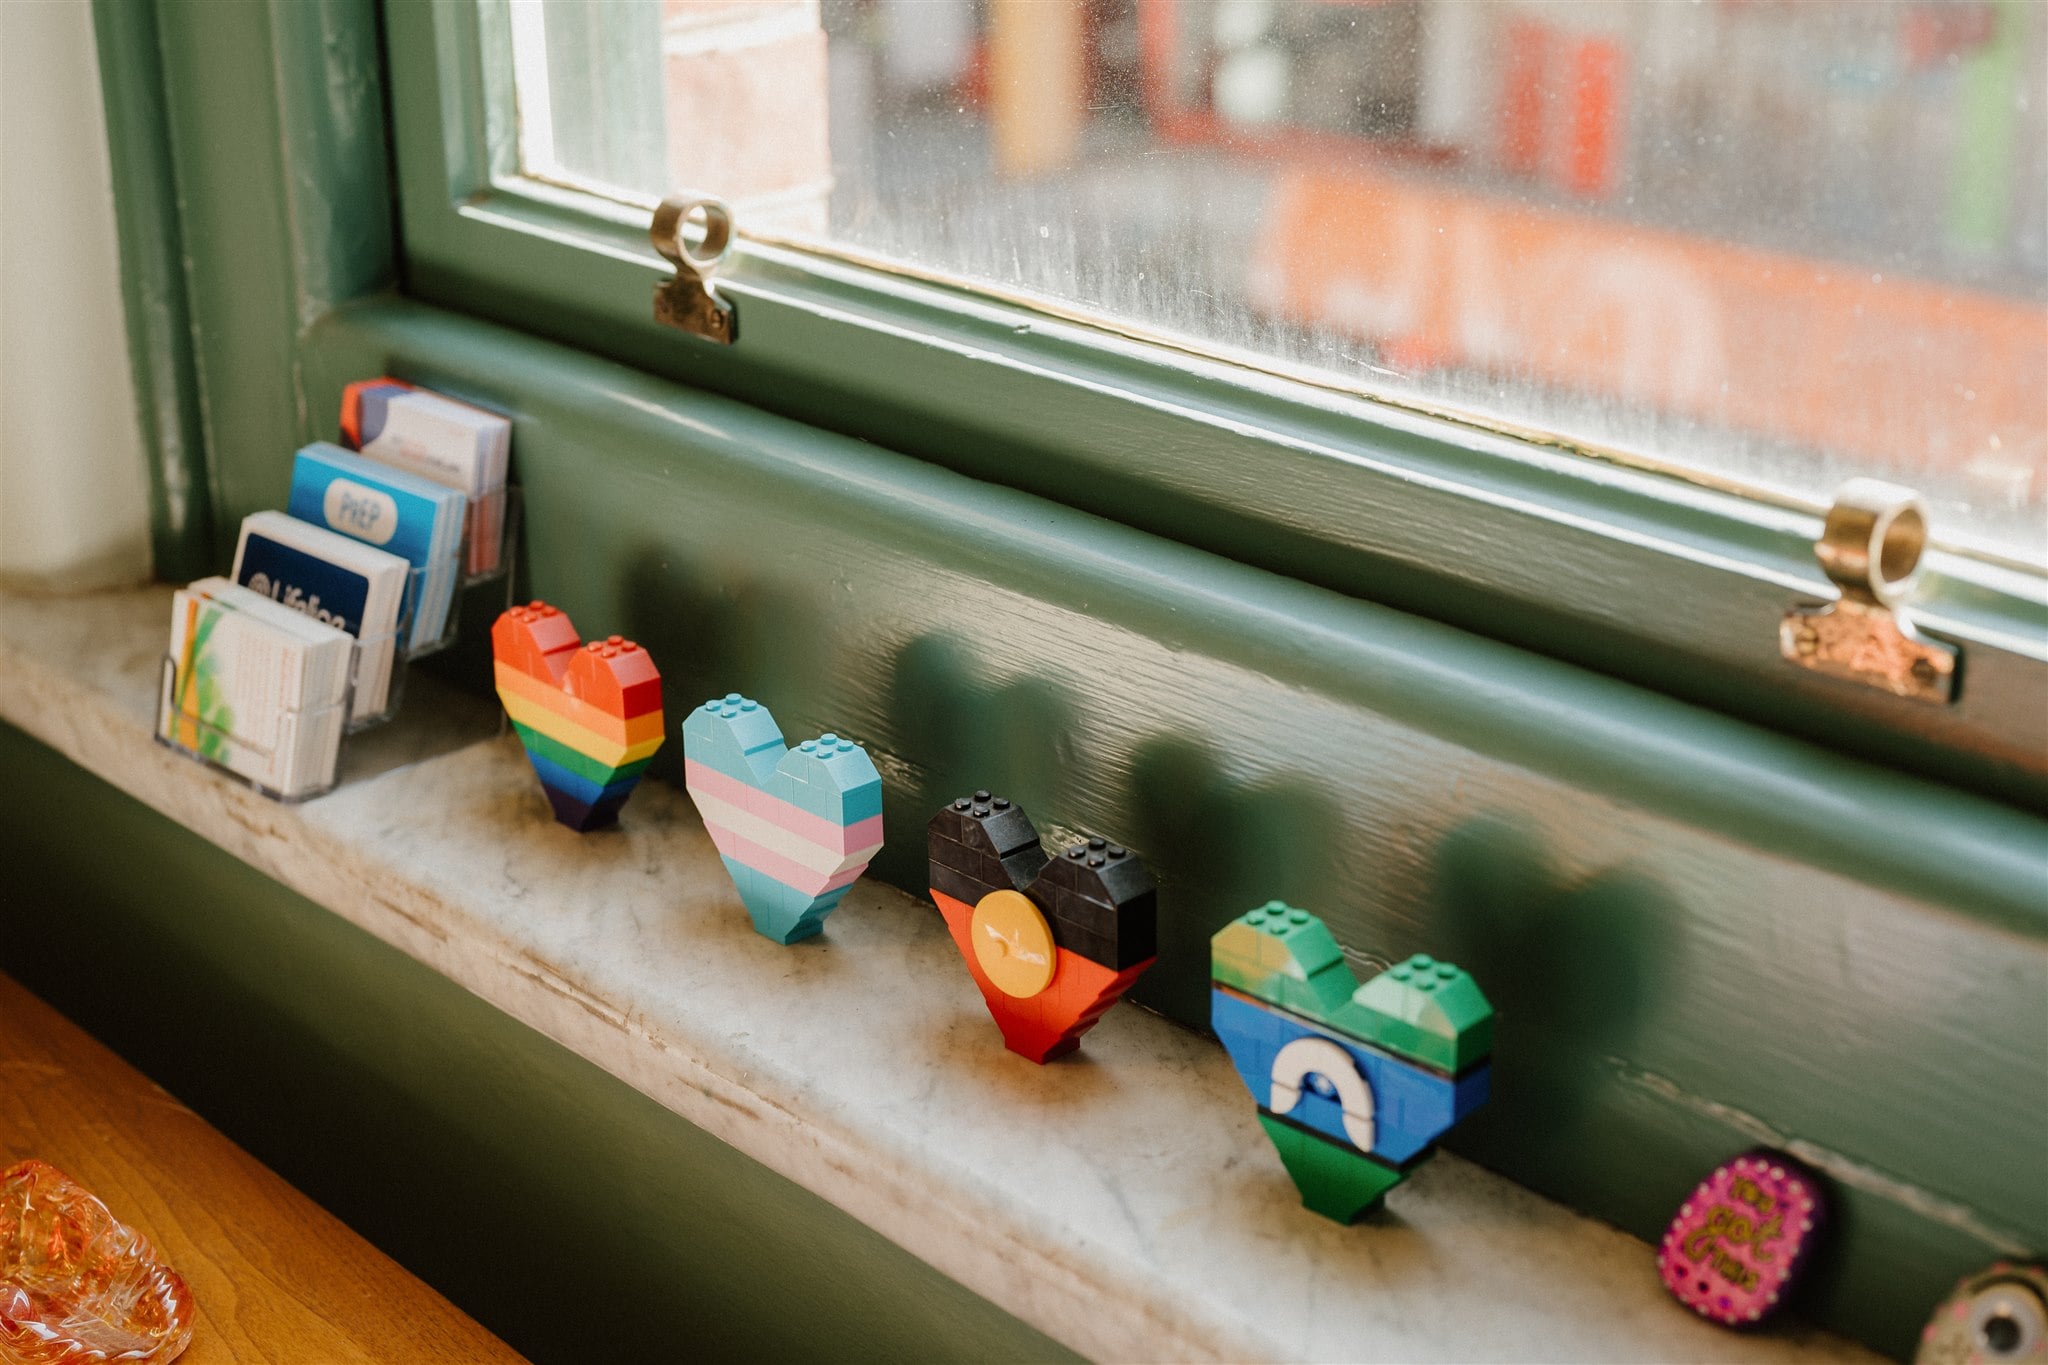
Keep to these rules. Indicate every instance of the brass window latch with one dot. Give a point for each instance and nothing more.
(1871, 546)
(688, 299)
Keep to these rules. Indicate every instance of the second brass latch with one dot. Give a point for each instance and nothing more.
(1871, 546)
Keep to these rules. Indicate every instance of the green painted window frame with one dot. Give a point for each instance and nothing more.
(1650, 1021)
(1631, 571)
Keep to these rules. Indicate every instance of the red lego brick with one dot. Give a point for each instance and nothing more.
(1049, 1024)
(616, 675)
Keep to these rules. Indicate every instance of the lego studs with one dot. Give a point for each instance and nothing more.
(1354, 1083)
(1998, 1316)
(1738, 1245)
(1051, 942)
(795, 827)
(588, 714)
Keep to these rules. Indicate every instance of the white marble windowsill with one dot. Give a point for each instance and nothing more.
(1124, 1201)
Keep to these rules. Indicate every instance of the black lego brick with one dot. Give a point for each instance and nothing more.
(1101, 894)
(1097, 896)
(990, 826)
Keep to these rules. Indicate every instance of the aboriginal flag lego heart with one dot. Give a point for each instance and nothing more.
(1051, 942)
(1354, 1083)
(795, 827)
(588, 714)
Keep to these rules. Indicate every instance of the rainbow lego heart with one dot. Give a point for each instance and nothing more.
(588, 714)
(795, 827)
(1051, 942)
(1354, 1083)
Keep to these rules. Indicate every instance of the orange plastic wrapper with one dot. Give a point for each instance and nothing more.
(77, 1286)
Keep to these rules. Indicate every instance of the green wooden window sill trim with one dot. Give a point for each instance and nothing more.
(1066, 1194)
(64, 688)
(1624, 743)
(153, 280)
(1694, 929)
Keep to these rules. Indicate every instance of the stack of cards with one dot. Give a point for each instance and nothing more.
(452, 443)
(414, 518)
(345, 583)
(255, 687)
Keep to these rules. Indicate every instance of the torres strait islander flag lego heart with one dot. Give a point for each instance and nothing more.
(1354, 1083)
(588, 714)
(795, 827)
(1051, 942)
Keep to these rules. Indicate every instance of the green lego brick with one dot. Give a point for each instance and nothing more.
(576, 761)
(1426, 1010)
(1284, 957)
(1338, 1182)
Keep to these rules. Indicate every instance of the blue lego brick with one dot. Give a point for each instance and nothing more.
(558, 778)
(1412, 1106)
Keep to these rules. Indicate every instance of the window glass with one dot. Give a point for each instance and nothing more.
(1775, 243)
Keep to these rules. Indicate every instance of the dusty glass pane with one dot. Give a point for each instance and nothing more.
(1774, 242)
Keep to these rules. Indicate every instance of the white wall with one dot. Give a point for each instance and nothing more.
(74, 484)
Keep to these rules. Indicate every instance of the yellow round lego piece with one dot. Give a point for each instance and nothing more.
(1013, 943)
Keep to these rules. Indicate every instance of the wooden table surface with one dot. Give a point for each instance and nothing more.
(276, 1278)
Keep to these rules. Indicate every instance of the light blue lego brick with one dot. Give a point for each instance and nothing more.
(751, 884)
(792, 916)
(1412, 1106)
(832, 778)
(779, 911)
(734, 736)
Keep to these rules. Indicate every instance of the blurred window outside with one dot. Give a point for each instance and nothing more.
(1771, 244)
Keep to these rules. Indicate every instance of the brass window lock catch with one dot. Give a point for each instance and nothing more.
(1871, 546)
(688, 299)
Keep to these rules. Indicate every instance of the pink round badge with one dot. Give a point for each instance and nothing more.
(1738, 1243)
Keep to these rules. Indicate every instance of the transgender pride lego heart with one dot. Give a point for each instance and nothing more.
(795, 827)
(588, 714)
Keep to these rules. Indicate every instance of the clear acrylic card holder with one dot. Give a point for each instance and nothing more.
(490, 535)
(299, 761)
(377, 666)
(376, 678)
(489, 531)
(412, 645)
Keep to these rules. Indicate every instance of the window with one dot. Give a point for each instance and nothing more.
(1607, 556)
(1773, 245)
